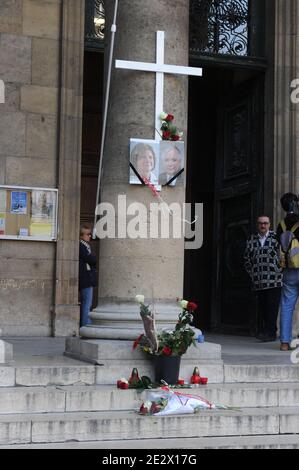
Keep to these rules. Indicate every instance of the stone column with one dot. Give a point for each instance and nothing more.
(66, 309)
(286, 113)
(153, 267)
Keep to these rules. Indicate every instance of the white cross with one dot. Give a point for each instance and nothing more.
(160, 68)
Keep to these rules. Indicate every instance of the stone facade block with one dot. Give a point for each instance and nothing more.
(16, 431)
(18, 317)
(45, 62)
(12, 134)
(37, 99)
(7, 376)
(24, 171)
(2, 170)
(41, 136)
(36, 12)
(12, 98)
(15, 58)
(11, 16)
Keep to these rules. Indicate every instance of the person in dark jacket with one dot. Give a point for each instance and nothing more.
(87, 274)
(290, 289)
(262, 264)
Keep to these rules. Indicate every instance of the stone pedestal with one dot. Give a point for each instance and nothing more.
(117, 359)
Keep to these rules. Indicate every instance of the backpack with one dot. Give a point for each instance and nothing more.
(289, 247)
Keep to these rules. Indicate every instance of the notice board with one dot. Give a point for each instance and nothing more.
(28, 213)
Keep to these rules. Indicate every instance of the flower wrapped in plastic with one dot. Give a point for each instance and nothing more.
(165, 402)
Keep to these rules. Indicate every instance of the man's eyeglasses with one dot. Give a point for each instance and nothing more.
(264, 223)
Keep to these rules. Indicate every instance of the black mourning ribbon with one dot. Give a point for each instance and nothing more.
(137, 174)
(174, 177)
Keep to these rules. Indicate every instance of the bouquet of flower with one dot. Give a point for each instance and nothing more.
(167, 342)
(165, 402)
(169, 130)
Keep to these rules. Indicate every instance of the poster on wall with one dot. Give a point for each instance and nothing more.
(2, 201)
(18, 203)
(28, 213)
(43, 209)
(144, 161)
(171, 160)
(2, 224)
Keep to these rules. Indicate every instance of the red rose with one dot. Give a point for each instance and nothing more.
(166, 135)
(191, 306)
(155, 408)
(175, 137)
(143, 410)
(169, 118)
(166, 351)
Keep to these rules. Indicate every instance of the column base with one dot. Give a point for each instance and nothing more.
(123, 321)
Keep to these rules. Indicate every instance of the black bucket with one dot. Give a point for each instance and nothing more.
(167, 368)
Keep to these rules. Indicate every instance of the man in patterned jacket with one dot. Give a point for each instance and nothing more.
(262, 264)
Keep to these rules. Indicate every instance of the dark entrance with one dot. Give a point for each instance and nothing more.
(230, 152)
(91, 139)
(225, 172)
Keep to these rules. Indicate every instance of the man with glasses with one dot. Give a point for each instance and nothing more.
(262, 264)
(87, 274)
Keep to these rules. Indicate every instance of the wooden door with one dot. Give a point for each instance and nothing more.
(238, 200)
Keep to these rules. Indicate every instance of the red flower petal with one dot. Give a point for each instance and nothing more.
(137, 341)
(191, 306)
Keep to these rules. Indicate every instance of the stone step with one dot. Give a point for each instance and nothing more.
(255, 373)
(47, 375)
(91, 374)
(231, 442)
(89, 398)
(128, 425)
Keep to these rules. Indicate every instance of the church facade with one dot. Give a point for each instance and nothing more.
(240, 130)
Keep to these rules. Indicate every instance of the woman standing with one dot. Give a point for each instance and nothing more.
(87, 274)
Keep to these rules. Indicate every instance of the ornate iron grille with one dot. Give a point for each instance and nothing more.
(219, 27)
(94, 22)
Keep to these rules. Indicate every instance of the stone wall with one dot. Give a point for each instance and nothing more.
(29, 66)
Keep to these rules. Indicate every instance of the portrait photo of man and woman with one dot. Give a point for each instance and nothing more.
(160, 163)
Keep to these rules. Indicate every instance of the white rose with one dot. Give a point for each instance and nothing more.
(184, 304)
(163, 116)
(139, 298)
